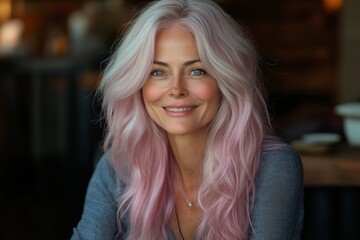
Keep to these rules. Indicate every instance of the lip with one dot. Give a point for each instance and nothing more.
(179, 110)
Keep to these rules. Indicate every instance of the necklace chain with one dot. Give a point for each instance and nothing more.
(178, 223)
(189, 203)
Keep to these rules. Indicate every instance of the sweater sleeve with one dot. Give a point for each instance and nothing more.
(278, 210)
(98, 220)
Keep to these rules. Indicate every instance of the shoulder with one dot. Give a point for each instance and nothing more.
(104, 170)
(280, 162)
(278, 208)
(99, 220)
(280, 172)
(105, 176)
(280, 152)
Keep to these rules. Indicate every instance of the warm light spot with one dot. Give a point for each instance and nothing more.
(10, 34)
(5, 9)
(332, 5)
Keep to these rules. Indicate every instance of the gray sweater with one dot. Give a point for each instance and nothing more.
(277, 213)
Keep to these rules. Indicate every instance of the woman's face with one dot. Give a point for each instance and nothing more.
(179, 95)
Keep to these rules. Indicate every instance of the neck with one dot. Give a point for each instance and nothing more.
(188, 153)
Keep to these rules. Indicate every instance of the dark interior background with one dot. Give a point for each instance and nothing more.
(50, 121)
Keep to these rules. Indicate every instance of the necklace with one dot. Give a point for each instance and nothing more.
(189, 203)
(178, 223)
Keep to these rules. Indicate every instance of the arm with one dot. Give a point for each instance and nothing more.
(278, 209)
(98, 220)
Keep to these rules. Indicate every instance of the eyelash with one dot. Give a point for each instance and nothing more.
(155, 73)
(200, 70)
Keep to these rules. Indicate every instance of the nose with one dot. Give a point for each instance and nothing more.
(178, 88)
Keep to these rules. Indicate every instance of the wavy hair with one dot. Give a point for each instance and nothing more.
(140, 149)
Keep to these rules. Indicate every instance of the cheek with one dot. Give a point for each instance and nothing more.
(208, 92)
(150, 93)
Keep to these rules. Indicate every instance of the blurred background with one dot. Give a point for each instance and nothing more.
(51, 55)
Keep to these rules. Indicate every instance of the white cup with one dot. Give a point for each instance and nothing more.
(351, 115)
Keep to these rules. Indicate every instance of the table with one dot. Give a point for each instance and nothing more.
(339, 167)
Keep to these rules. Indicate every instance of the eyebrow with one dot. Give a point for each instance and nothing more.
(185, 64)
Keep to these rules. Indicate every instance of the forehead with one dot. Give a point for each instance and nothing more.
(173, 32)
(175, 40)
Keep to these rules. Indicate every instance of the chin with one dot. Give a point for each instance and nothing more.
(184, 131)
(177, 131)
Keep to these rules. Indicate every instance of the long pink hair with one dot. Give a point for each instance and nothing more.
(139, 148)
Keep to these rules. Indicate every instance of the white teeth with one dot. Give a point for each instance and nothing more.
(178, 109)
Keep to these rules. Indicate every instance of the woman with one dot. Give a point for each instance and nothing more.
(189, 154)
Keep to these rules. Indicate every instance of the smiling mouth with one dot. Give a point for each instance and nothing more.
(178, 109)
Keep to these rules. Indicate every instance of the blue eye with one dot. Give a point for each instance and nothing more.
(197, 72)
(157, 73)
